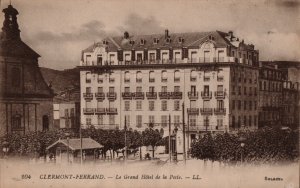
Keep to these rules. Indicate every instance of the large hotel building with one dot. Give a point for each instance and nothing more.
(144, 79)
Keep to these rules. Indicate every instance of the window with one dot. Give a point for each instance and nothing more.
(66, 113)
(139, 89)
(193, 76)
(100, 78)
(219, 123)
(250, 105)
(239, 105)
(255, 120)
(72, 112)
(245, 90)
(176, 105)
(233, 105)
(111, 89)
(88, 77)
(111, 78)
(111, 119)
(100, 119)
(138, 105)
(255, 105)
(16, 77)
(151, 105)
(176, 88)
(127, 105)
(233, 90)
(88, 90)
(139, 76)
(16, 121)
(176, 76)
(164, 121)
(139, 122)
(206, 90)
(127, 120)
(151, 89)
(151, 76)
(233, 122)
(176, 120)
(193, 119)
(250, 121)
(245, 121)
(245, 105)
(88, 121)
(164, 76)
(151, 119)
(164, 89)
(100, 89)
(99, 59)
(240, 90)
(127, 76)
(239, 121)
(220, 104)
(164, 105)
(127, 89)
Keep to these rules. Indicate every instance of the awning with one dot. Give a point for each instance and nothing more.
(74, 144)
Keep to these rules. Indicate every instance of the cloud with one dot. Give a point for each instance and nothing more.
(136, 24)
(88, 31)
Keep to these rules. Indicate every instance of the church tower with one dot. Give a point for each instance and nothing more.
(26, 101)
(10, 25)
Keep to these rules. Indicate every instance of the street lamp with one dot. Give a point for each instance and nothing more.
(175, 143)
(5, 148)
(242, 141)
(67, 135)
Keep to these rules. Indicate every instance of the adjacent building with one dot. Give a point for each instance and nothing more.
(25, 98)
(145, 78)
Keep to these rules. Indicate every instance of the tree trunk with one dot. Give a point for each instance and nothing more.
(140, 153)
(153, 151)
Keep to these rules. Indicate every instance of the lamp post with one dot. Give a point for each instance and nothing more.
(175, 144)
(242, 141)
(5, 148)
(68, 157)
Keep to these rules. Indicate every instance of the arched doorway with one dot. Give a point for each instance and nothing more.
(45, 123)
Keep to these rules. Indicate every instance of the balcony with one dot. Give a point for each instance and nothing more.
(151, 95)
(100, 111)
(219, 94)
(176, 95)
(111, 95)
(220, 78)
(111, 111)
(164, 95)
(206, 78)
(220, 111)
(127, 95)
(88, 95)
(193, 111)
(100, 96)
(193, 95)
(164, 79)
(193, 79)
(87, 111)
(138, 95)
(176, 79)
(206, 95)
(206, 111)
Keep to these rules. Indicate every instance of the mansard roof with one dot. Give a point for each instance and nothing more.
(190, 40)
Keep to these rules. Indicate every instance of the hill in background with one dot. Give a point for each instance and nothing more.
(61, 80)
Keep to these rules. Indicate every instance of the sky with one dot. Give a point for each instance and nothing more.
(60, 29)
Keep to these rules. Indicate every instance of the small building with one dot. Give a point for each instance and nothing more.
(69, 149)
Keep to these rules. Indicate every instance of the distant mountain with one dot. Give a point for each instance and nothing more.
(61, 80)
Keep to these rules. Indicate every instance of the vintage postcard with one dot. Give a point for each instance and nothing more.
(169, 93)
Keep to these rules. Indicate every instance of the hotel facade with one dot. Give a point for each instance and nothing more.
(147, 78)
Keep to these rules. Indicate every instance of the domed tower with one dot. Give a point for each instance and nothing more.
(26, 101)
(10, 25)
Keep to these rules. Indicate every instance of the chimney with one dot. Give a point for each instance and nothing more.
(126, 35)
(230, 33)
(166, 34)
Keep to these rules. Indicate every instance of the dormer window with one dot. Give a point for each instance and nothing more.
(143, 41)
(131, 42)
(181, 40)
(211, 37)
(168, 40)
(155, 40)
(105, 42)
